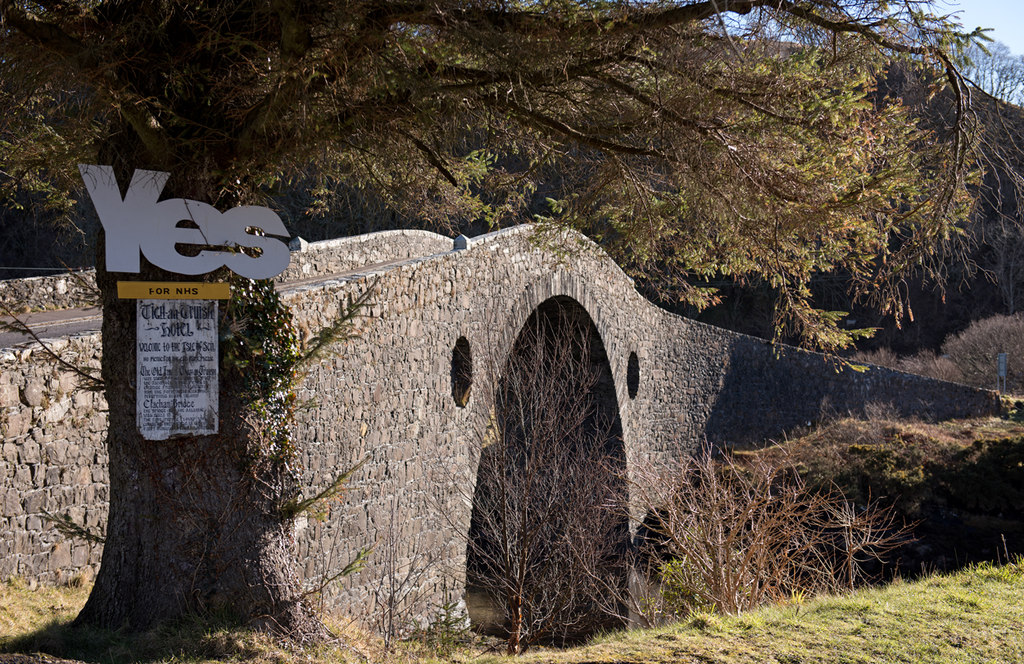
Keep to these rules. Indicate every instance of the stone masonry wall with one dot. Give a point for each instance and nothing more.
(785, 388)
(385, 397)
(64, 291)
(328, 257)
(309, 260)
(54, 461)
(412, 499)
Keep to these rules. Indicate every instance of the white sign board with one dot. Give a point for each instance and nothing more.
(141, 222)
(176, 368)
(1001, 364)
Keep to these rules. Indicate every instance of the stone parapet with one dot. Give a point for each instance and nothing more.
(64, 291)
(309, 260)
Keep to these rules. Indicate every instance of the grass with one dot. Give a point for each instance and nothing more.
(39, 619)
(972, 616)
(25, 608)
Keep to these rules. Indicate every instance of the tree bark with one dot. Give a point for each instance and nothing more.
(195, 523)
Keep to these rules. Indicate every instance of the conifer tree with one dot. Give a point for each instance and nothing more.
(693, 138)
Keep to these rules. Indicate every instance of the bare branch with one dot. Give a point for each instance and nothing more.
(20, 327)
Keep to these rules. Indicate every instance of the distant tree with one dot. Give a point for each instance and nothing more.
(999, 225)
(975, 352)
(997, 71)
(692, 137)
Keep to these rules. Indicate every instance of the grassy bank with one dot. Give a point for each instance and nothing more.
(973, 616)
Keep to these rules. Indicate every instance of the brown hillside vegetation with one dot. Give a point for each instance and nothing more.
(960, 483)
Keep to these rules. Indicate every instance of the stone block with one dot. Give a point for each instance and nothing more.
(38, 474)
(83, 400)
(34, 502)
(19, 420)
(29, 452)
(33, 393)
(56, 452)
(21, 542)
(57, 411)
(60, 556)
(10, 452)
(80, 555)
(12, 502)
(98, 422)
(67, 383)
(9, 396)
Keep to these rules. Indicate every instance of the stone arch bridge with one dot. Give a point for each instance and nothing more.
(392, 396)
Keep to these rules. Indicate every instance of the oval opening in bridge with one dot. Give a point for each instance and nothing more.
(462, 372)
(633, 375)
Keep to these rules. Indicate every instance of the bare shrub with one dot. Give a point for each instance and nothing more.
(926, 363)
(975, 349)
(968, 357)
(880, 413)
(400, 594)
(931, 364)
(547, 534)
(731, 535)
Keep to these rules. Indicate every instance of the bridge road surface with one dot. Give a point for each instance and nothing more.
(64, 323)
(57, 324)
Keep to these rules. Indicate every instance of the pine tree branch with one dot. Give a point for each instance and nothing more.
(47, 35)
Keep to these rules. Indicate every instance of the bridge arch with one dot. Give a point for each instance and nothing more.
(552, 461)
(572, 286)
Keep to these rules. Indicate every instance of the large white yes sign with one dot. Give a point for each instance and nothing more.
(140, 223)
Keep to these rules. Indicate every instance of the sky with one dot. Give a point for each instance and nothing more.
(1006, 17)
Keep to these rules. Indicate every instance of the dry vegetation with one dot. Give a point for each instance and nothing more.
(729, 535)
(969, 357)
(910, 462)
(972, 616)
(959, 485)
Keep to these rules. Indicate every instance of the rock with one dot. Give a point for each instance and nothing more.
(35, 502)
(8, 396)
(10, 453)
(30, 452)
(60, 556)
(56, 412)
(33, 394)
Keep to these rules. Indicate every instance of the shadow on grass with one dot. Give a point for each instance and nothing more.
(194, 638)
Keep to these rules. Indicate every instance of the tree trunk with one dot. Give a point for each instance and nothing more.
(195, 524)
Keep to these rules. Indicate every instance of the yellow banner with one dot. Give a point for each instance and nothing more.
(172, 290)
